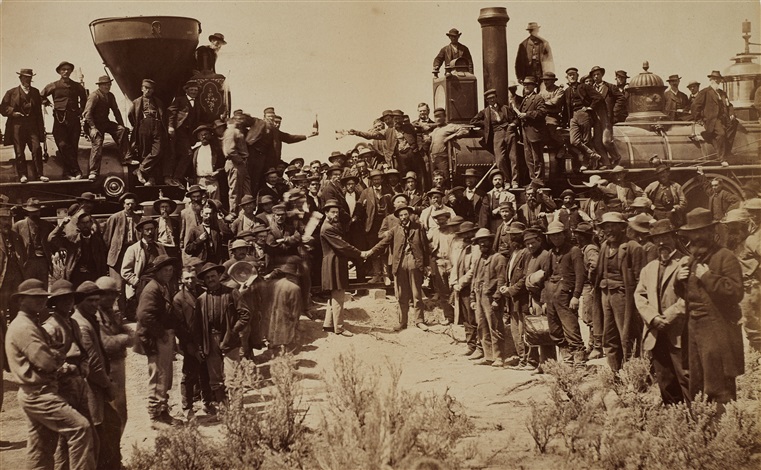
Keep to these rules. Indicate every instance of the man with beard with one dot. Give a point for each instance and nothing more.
(486, 299)
(719, 199)
(638, 231)
(744, 239)
(618, 271)
(461, 206)
(516, 294)
(138, 257)
(569, 213)
(86, 203)
(167, 229)
(490, 217)
(664, 315)
(533, 213)
(578, 101)
(500, 135)
(356, 228)
(22, 105)
(472, 193)
(147, 137)
(85, 252)
(463, 253)
(100, 103)
(565, 281)
(184, 116)
(710, 282)
(375, 207)
(69, 99)
(33, 233)
(119, 233)
(205, 242)
(101, 389)
(667, 196)
(190, 216)
(626, 191)
(335, 267)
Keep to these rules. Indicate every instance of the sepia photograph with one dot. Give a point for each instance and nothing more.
(401, 235)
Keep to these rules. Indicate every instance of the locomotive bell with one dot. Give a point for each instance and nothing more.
(646, 97)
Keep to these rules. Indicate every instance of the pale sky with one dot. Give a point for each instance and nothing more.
(348, 61)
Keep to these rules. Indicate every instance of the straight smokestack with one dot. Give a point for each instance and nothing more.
(494, 46)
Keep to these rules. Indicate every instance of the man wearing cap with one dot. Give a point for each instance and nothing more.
(500, 134)
(663, 314)
(743, 225)
(155, 337)
(223, 317)
(236, 165)
(578, 102)
(618, 270)
(452, 51)
(531, 113)
(553, 98)
(69, 99)
(22, 105)
(101, 389)
(668, 197)
(490, 217)
(190, 216)
(100, 103)
(138, 257)
(621, 107)
(375, 207)
(86, 253)
(440, 136)
(534, 55)
(146, 114)
(710, 283)
(246, 219)
(626, 191)
(602, 135)
(675, 102)
(32, 231)
(462, 254)
(33, 366)
(184, 115)
(713, 109)
(205, 241)
(208, 161)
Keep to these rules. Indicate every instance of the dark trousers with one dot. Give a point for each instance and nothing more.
(183, 155)
(441, 286)
(26, 135)
(603, 140)
(491, 327)
(722, 138)
(563, 322)
(614, 317)
(517, 326)
(408, 286)
(534, 158)
(506, 153)
(120, 136)
(66, 131)
(149, 145)
(469, 320)
(109, 438)
(709, 343)
(669, 371)
(194, 375)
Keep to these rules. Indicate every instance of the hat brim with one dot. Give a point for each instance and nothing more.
(36, 292)
(553, 232)
(214, 36)
(157, 205)
(127, 196)
(217, 268)
(692, 228)
(462, 233)
(482, 237)
(403, 208)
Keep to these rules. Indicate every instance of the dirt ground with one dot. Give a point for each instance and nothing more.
(495, 399)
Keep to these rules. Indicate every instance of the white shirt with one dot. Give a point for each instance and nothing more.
(469, 193)
(351, 200)
(203, 161)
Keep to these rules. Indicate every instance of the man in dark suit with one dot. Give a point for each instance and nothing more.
(33, 232)
(578, 102)
(603, 124)
(713, 109)
(205, 241)
(99, 104)
(453, 50)
(500, 134)
(376, 206)
(621, 108)
(269, 188)
(184, 114)
(675, 102)
(531, 113)
(533, 56)
(148, 133)
(409, 262)
(22, 106)
(516, 295)
(119, 233)
(85, 251)
(69, 98)
(472, 193)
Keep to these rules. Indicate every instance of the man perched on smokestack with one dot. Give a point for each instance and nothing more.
(453, 50)
(534, 56)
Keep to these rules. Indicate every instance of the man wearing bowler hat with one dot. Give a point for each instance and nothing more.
(147, 116)
(33, 366)
(534, 56)
(531, 113)
(499, 124)
(603, 121)
(452, 51)
(33, 232)
(100, 103)
(22, 105)
(710, 283)
(69, 99)
(621, 108)
(675, 102)
(184, 115)
(663, 314)
(713, 109)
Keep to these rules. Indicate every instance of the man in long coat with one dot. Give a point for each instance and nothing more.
(531, 113)
(85, 251)
(119, 233)
(285, 309)
(499, 124)
(149, 133)
(22, 105)
(715, 111)
(33, 231)
(335, 267)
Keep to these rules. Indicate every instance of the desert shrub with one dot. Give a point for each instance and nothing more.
(178, 448)
(372, 425)
(542, 424)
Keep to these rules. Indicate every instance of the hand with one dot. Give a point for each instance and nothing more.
(171, 131)
(456, 288)
(473, 305)
(700, 171)
(683, 273)
(17, 114)
(307, 238)
(427, 270)
(701, 269)
(658, 323)
(65, 220)
(503, 290)
(203, 237)
(494, 304)
(435, 74)
(574, 305)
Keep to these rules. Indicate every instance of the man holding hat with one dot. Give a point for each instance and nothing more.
(490, 217)
(33, 231)
(22, 105)
(663, 314)
(452, 51)
(33, 365)
(138, 257)
(500, 134)
(100, 103)
(146, 114)
(713, 109)
(675, 102)
(710, 283)
(531, 113)
(534, 55)
(86, 253)
(69, 98)
(184, 115)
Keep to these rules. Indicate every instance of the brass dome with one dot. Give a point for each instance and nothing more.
(646, 79)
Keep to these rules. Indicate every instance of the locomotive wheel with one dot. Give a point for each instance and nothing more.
(698, 197)
(114, 186)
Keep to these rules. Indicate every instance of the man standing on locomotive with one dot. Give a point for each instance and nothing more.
(147, 118)
(99, 104)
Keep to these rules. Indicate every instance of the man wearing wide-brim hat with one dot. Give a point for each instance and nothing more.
(33, 365)
(711, 287)
(712, 108)
(452, 51)
(534, 55)
(30, 238)
(462, 254)
(616, 277)
(626, 191)
(669, 201)
(663, 314)
(499, 134)
(25, 127)
(490, 216)
(86, 253)
(138, 257)
(100, 103)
